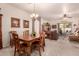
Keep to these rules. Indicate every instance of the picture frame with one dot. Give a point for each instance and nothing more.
(15, 22)
(25, 24)
(54, 26)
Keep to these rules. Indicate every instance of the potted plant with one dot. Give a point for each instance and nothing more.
(34, 34)
(78, 33)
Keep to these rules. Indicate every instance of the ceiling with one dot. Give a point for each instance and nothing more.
(50, 10)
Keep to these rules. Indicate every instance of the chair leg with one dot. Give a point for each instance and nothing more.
(15, 52)
(11, 44)
(43, 48)
(39, 51)
(44, 43)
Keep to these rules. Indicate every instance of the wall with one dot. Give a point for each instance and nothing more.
(9, 11)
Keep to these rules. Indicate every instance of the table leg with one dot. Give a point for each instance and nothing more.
(29, 50)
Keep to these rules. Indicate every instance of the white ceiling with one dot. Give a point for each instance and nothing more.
(50, 10)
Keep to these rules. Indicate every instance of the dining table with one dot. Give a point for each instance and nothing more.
(29, 40)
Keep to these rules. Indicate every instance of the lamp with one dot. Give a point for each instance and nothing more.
(34, 15)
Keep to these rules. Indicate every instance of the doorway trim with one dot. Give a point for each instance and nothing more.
(1, 45)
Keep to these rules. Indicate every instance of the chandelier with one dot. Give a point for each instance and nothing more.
(34, 14)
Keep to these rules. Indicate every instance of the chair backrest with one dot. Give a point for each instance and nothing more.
(42, 34)
(26, 33)
(10, 33)
(42, 38)
(16, 39)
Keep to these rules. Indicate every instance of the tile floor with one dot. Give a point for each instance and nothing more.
(61, 47)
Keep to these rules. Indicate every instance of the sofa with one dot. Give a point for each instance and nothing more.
(74, 38)
(53, 35)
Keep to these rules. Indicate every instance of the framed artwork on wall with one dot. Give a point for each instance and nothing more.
(25, 24)
(15, 22)
(54, 26)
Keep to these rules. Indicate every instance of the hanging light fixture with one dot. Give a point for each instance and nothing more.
(34, 15)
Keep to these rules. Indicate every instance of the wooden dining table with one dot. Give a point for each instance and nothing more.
(29, 40)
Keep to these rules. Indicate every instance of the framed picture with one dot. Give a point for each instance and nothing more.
(26, 24)
(15, 22)
(54, 26)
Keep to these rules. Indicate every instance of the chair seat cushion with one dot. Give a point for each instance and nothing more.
(23, 45)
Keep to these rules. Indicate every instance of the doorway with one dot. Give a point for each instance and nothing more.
(36, 27)
(65, 27)
(0, 31)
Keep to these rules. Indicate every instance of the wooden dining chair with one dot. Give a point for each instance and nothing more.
(40, 44)
(19, 48)
(42, 34)
(42, 40)
(36, 46)
(11, 38)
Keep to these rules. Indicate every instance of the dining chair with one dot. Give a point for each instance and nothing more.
(36, 46)
(42, 40)
(11, 38)
(40, 44)
(19, 48)
(42, 35)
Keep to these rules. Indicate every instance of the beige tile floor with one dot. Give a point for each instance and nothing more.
(61, 47)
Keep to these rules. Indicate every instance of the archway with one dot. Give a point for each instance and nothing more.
(36, 25)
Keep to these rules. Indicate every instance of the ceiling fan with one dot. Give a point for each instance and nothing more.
(66, 16)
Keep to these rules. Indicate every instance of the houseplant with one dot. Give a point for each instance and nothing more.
(34, 34)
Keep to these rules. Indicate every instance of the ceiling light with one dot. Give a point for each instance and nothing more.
(34, 15)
